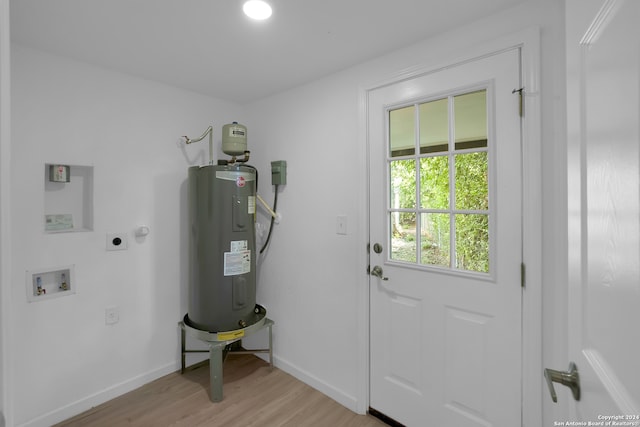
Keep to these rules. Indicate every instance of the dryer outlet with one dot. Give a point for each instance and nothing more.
(117, 241)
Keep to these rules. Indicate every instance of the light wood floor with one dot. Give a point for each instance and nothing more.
(254, 395)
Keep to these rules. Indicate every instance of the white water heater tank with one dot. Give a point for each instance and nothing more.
(234, 139)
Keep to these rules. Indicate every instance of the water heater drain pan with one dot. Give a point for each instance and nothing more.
(255, 323)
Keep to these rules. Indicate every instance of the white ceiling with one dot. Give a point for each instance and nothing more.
(210, 47)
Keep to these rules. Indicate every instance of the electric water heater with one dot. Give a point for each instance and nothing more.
(222, 258)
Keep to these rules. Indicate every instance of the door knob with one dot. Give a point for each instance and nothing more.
(568, 378)
(377, 271)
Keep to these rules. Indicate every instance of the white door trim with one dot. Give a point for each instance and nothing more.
(528, 41)
(6, 405)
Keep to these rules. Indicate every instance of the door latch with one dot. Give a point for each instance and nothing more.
(568, 378)
(377, 271)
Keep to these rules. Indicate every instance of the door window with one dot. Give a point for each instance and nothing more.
(438, 163)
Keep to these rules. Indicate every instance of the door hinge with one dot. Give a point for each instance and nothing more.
(520, 99)
(523, 275)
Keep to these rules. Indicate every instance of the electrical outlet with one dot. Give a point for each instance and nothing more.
(117, 241)
(111, 315)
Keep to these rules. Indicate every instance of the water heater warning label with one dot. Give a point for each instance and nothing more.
(239, 245)
(238, 261)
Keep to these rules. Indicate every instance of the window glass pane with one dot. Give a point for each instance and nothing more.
(434, 126)
(403, 236)
(472, 242)
(421, 230)
(470, 117)
(435, 237)
(403, 184)
(472, 181)
(402, 131)
(434, 182)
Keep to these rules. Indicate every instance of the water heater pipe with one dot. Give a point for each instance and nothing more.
(268, 208)
(209, 131)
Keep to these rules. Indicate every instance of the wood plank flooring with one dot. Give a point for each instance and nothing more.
(254, 395)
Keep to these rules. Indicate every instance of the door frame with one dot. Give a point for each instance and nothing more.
(6, 376)
(528, 41)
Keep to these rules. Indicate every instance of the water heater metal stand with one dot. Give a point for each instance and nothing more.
(217, 344)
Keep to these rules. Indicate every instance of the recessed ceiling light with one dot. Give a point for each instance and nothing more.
(257, 9)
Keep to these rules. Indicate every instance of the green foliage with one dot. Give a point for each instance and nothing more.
(472, 181)
(436, 247)
(434, 182)
(471, 238)
(403, 184)
(472, 242)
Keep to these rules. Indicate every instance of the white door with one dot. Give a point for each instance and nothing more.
(445, 233)
(603, 47)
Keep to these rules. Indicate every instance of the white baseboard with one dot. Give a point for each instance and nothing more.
(338, 395)
(100, 397)
(116, 390)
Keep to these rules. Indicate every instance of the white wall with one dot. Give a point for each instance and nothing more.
(63, 356)
(312, 280)
(308, 279)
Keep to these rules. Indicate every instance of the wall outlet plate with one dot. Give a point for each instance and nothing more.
(111, 315)
(117, 241)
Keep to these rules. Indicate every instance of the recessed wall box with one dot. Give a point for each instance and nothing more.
(68, 203)
(47, 283)
(59, 173)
